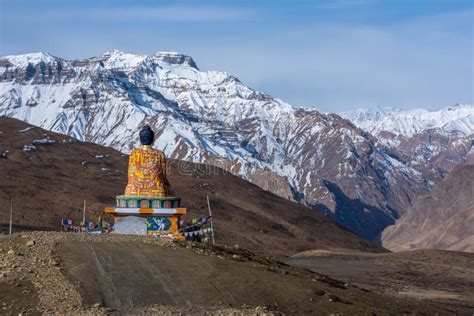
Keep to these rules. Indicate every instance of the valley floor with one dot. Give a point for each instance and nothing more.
(443, 278)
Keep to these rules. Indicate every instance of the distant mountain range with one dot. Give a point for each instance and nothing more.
(442, 139)
(441, 145)
(458, 119)
(363, 181)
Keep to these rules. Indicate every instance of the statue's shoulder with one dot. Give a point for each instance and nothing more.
(135, 152)
(149, 150)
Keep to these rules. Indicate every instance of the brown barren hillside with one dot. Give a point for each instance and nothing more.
(444, 278)
(441, 219)
(49, 175)
(88, 274)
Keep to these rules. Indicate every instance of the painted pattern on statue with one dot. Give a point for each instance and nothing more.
(147, 173)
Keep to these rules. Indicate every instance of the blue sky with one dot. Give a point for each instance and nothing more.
(333, 55)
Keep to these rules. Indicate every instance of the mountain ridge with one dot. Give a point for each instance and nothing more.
(452, 119)
(436, 140)
(318, 159)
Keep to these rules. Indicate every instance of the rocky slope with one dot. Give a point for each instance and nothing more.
(434, 143)
(210, 117)
(49, 175)
(442, 219)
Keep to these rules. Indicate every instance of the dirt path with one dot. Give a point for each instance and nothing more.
(124, 276)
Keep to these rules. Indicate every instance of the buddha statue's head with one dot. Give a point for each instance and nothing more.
(147, 136)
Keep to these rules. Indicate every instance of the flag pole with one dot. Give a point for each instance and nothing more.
(210, 214)
(11, 214)
(84, 214)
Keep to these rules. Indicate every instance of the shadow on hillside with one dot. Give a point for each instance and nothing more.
(365, 220)
(5, 227)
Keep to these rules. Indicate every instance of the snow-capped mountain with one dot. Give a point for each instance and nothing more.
(441, 139)
(453, 119)
(319, 159)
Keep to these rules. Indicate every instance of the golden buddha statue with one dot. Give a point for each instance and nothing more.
(148, 206)
(147, 169)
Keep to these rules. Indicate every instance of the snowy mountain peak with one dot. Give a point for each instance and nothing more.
(174, 58)
(117, 59)
(33, 58)
(114, 60)
(458, 118)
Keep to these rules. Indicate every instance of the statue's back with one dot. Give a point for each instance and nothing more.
(147, 173)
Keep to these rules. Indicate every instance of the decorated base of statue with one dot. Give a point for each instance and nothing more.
(148, 216)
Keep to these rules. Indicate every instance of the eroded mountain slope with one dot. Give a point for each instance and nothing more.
(441, 219)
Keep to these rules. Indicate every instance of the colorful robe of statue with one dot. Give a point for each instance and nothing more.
(147, 173)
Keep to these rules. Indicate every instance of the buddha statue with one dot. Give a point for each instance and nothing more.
(148, 206)
(147, 169)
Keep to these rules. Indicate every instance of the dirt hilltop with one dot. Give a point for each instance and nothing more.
(52, 272)
(49, 175)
